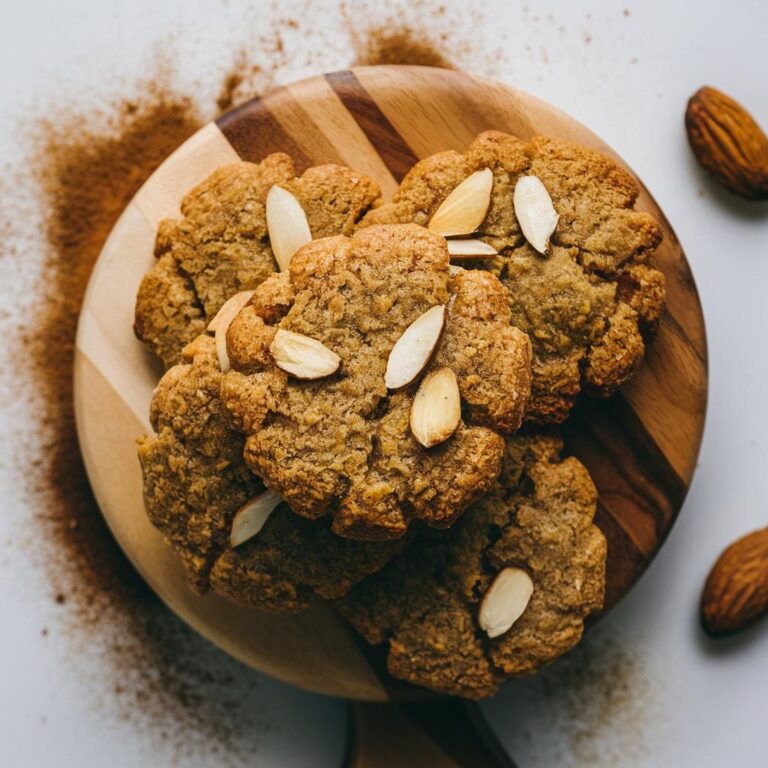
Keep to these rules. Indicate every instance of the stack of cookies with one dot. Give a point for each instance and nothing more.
(361, 398)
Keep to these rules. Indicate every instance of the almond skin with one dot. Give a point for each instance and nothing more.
(728, 142)
(736, 591)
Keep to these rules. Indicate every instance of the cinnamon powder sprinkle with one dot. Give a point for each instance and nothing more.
(165, 676)
(399, 45)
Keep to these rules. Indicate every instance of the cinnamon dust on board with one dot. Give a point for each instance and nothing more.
(159, 673)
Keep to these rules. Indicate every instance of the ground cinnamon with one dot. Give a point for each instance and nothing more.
(160, 674)
(398, 45)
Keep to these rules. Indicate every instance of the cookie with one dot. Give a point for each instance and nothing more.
(428, 603)
(221, 245)
(342, 445)
(590, 303)
(195, 481)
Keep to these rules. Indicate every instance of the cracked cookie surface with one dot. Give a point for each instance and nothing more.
(195, 480)
(425, 602)
(341, 446)
(591, 303)
(221, 245)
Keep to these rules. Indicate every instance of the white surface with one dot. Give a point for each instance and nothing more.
(691, 703)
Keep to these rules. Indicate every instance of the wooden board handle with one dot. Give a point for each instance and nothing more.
(444, 733)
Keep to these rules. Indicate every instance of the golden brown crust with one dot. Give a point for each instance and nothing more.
(589, 304)
(195, 480)
(194, 476)
(221, 245)
(425, 602)
(342, 446)
(292, 557)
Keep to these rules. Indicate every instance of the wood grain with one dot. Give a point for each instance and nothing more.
(640, 446)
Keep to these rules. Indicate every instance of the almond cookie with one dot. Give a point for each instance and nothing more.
(573, 254)
(373, 383)
(222, 245)
(502, 593)
(195, 481)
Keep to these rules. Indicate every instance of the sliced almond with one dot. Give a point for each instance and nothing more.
(535, 212)
(250, 518)
(303, 356)
(470, 249)
(463, 211)
(413, 350)
(436, 409)
(230, 310)
(220, 325)
(505, 601)
(287, 225)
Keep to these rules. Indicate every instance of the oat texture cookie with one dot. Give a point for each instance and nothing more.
(373, 383)
(195, 481)
(221, 244)
(573, 254)
(502, 593)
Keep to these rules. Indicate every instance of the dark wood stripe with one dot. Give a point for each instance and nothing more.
(688, 341)
(460, 730)
(254, 133)
(376, 656)
(625, 562)
(451, 733)
(635, 483)
(392, 148)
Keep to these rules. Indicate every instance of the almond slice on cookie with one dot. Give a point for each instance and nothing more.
(221, 322)
(505, 601)
(287, 225)
(436, 409)
(414, 349)
(535, 213)
(302, 356)
(469, 248)
(463, 211)
(252, 516)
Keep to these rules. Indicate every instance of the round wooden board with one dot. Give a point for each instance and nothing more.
(640, 445)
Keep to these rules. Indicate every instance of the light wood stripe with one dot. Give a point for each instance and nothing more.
(324, 108)
(382, 135)
(294, 120)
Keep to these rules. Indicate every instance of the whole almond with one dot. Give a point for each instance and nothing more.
(736, 591)
(505, 601)
(728, 142)
(463, 211)
(436, 409)
(287, 225)
(302, 356)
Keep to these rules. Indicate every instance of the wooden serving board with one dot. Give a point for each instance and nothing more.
(640, 445)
